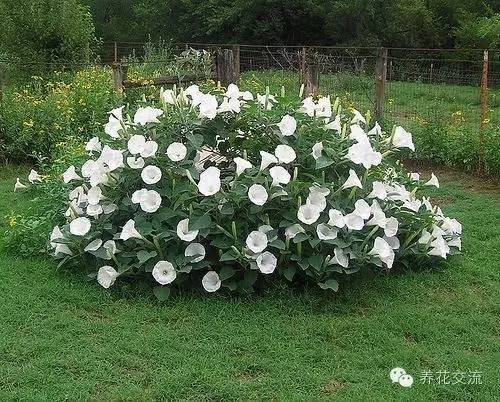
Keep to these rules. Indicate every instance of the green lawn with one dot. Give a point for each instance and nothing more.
(64, 338)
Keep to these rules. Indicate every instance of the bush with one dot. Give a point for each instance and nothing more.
(36, 117)
(220, 189)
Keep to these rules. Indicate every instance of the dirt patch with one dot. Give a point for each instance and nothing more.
(333, 386)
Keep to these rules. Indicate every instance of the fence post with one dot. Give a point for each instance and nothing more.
(484, 110)
(236, 57)
(225, 67)
(380, 79)
(118, 77)
(309, 73)
(115, 53)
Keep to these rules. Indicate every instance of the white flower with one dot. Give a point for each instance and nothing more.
(77, 192)
(195, 249)
(316, 188)
(262, 99)
(111, 157)
(138, 195)
(358, 134)
(232, 91)
(149, 200)
(361, 208)
(325, 232)
(336, 218)
(151, 174)
(109, 208)
(18, 185)
(106, 276)
(93, 145)
(317, 200)
(211, 281)
(378, 191)
(110, 247)
(414, 176)
(94, 195)
(208, 106)
(148, 114)
(95, 171)
(393, 241)
(379, 219)
(34, 176)
(294, 230)
(340, 257)
(455, 242)
(257, 194)
(183, 231)
(451, 226)
(358, 117)
(433, 181)
(137, 144)
(135, 162)
(279, 175)
(308, 214)
(354, 221)
(60, 248)
(352, 180)
(285, 153)
(266, 262)
(241, 165)
(256, 241)
(164, 272)
(402, 139)
(439, 247)
(376, 130)
(94, 210)
(229, 105)
(287, 125)
(324, 107)
(391, 227)
(334, 124)
(362, 153)
(209, 183)
(79, 226)
(384, 251)
(267, 159)
(317, 149)
(308, 106)
(114, 124)
(425, 237)
(176, 151)
(168, 96)
(129, 231)
(93, 245)
(70, 174)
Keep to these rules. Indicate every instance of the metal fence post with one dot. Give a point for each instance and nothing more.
(484, 110)
(380, 79)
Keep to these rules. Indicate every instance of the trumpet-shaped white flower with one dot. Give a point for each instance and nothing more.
(425, 237)
(70, 174)
(414, 176)
(326, 232)
(287, 125)
(340, 257)
(391, 227)
(168, 96)
(34, 176)
(354, 221)
(451, 226)
(176, 151)
(135, 162)
(455, 242)
(384, 251)
(110, 247)
(94, 195)
(229, 105)
(80, 226)
(318, 200)
(59, 248)
(357, 118)
(376, 130)
(18, 185)
(352, 180)
(112, 158)
(336, 218)
(379, 219)
(393, 241)
(267, 159)
(378, 191)
(361, 208)
(266, 99)
(93, 245)
(151, 174)
(195, 249)
(95, 171)
(308, 214)
(94, 210)
(211, 281)
(362, 153)
(106, 276)
(294, 230)
(266, 262)
(402, 139)
(256, 241)
(433, 181)
(334, 124)
(241, 165)
(109, 208)
(164, 272)
(148, 114)
(183, 231)
(232, 91)
(137, 144)
(93, 145)
(257, 194)
(324, 107)
(115, 122)
(129, 231)
(317, 189)
(279, 175)
(285, 153)
(308, 106)
(149, 200)
(208, 106)
(439, 247)
(317, 150)
(209, 183)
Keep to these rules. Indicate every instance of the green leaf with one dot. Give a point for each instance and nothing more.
(226, 272)
(314, 242)
(144, 255)
(329, 284)
(229, 255)
(162, 293)
(323, 162)
(249, 278)
(316, 261)
(300, 237)
(202, 222)
(279, 244)
(196, 140)
(227, 209)
(222, 242)
(289, 273)
(303, 264)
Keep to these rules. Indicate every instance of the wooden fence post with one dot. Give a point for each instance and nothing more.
(118, 77)
(225, 67)
(309, 73)
(236, 58)
(484, 110)
(380, 80)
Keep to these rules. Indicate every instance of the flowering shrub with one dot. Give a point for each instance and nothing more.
(224, 189)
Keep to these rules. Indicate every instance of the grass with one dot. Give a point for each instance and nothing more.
(62, 337)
